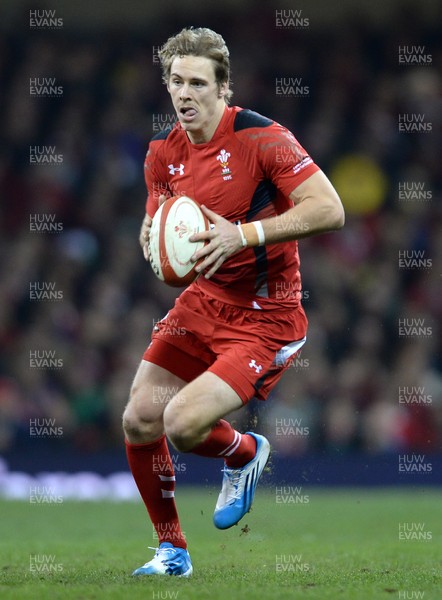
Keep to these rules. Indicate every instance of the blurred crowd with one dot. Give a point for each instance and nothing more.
(358, 384)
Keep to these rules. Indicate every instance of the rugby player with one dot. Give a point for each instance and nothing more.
(242, 318)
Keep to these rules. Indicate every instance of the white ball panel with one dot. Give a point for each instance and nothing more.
(184, 219)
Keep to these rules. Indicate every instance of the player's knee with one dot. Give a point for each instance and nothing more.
(181, 428)
(139, 428)
(131, 424)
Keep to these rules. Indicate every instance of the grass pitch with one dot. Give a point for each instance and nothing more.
(343, 544)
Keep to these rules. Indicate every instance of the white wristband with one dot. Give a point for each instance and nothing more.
(260, 232)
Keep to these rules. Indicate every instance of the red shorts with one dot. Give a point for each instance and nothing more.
(248, 349)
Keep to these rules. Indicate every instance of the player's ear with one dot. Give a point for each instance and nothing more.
(222, 89)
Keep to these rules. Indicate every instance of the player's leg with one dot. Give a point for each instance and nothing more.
(191, 415)
(193, 422)
(253, 351)
(152, 388)
(175, 355)
(151, 465)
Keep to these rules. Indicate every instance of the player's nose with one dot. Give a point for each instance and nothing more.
(185, 91)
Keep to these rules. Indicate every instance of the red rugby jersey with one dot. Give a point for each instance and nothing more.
(245, 173)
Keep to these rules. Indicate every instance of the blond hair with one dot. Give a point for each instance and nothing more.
(198, 42)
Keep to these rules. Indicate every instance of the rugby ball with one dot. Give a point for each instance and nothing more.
(174, 222)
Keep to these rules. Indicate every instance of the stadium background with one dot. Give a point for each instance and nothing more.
(341, 414)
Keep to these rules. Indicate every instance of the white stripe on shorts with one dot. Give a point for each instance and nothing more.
(287, 351)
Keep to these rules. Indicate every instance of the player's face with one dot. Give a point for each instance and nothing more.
(196, 97)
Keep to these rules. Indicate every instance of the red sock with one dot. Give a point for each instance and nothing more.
(225, 442)
(152, 469)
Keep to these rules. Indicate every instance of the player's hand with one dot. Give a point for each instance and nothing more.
(145, 230)
(224, 240)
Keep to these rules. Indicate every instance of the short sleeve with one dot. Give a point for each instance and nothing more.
(283, 160)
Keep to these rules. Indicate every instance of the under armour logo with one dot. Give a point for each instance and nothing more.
(253, 365)
(173, 170)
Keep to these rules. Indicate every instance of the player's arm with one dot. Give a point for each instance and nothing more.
(156, 184)
(317, 209)
(156, 187)
(145, 230)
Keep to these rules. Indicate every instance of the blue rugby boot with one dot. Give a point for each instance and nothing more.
(168, 560)
(239, 486)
